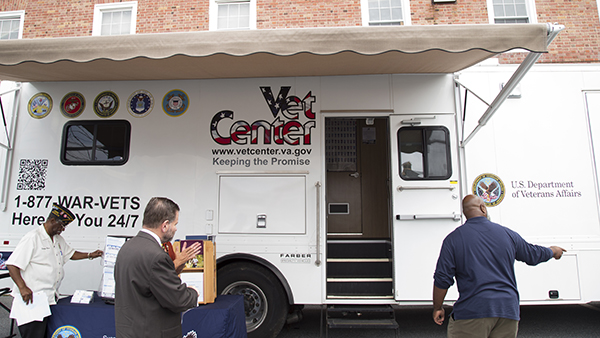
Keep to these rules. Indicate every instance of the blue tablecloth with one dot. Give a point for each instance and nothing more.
(223, 318)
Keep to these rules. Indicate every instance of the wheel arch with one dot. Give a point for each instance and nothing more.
(241, 257)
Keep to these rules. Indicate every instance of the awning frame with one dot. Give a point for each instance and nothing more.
(10, 131)
(264, 53)
(512, 83)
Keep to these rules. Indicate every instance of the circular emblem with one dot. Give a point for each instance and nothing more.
(490, 188)
(66, 331)
(106, 104)
(40, 105)
(72, 105)
(175, 102)
(141, 103)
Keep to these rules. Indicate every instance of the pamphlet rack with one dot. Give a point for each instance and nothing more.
(200, 271)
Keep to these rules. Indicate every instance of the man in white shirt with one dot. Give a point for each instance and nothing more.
(37, 264)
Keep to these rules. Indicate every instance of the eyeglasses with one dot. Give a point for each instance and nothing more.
(63, 224)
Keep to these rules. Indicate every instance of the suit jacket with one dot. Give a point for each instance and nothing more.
(149, 296)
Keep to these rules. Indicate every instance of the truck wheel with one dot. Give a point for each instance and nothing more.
(265, 301)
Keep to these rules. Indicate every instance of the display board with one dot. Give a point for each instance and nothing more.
(199, 271)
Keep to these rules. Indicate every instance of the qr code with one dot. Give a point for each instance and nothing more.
(32, 174)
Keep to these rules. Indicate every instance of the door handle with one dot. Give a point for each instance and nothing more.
(355, 175)
(261, 221)
(453, 216)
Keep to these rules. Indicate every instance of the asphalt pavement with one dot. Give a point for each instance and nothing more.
(544, 321)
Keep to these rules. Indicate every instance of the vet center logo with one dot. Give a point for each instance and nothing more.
(66, 331)
(490, 188)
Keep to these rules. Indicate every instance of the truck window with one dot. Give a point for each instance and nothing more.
(424, 153)
(95, 142)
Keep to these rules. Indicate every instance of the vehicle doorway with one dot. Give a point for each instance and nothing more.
(359, 250)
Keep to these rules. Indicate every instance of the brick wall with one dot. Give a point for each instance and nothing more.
(52, 18)
(55, 18)
(306, 13)
(580, 41)
(424, 12)
(172, 16)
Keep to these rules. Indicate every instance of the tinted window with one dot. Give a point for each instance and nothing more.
(96, 143)
(424, 153)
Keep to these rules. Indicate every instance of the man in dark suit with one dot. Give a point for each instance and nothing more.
(149, 296)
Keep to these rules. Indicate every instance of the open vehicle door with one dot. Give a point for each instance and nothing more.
(425, 197)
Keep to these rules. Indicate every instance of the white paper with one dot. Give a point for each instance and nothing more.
(108, 282)
(195, 279)
(82, 297)
(27, 313)
(113, 245)
(111, 249)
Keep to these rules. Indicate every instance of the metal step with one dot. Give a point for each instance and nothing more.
(359, 268)
(359, 310)
(343, 323)
(347, 297)
(355, 268)
(361, 317)
(359, 287)
(359, 248)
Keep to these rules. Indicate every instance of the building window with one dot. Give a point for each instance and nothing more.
(385, 12)
(424, 153)
(11, 25)
(232, 14)
(511, 11)
(95, 142)
(115, 18)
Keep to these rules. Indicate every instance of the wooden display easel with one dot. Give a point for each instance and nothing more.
(209, 270)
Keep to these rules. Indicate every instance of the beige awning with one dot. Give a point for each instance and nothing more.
(264, 53)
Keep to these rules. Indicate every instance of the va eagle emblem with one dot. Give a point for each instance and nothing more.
(40, 105)
(66, 331)
(175, 102)
(490, 188)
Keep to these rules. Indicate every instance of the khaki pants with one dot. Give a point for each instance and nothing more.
(483, 328)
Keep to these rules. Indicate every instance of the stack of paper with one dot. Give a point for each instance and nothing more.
(113, 245)
(36, 310)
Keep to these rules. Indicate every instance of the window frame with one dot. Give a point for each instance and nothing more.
(213, 14)
(529, 4)
(425, 177)
(364, 7)
(8, 15)
(100, 9)
(126, 143)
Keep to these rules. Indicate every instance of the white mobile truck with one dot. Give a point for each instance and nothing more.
(328, 164)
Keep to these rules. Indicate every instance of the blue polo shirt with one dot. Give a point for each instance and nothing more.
(481, 255)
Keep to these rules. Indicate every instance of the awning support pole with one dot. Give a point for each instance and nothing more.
(9, 150)
(530, 60)
(6, 146)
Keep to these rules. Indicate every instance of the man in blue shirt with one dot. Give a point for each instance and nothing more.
(481, 255)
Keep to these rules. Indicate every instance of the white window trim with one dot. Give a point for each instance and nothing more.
(213, 12)
(15, 15)
(531, 12)
(364, 8)
(99, 8)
